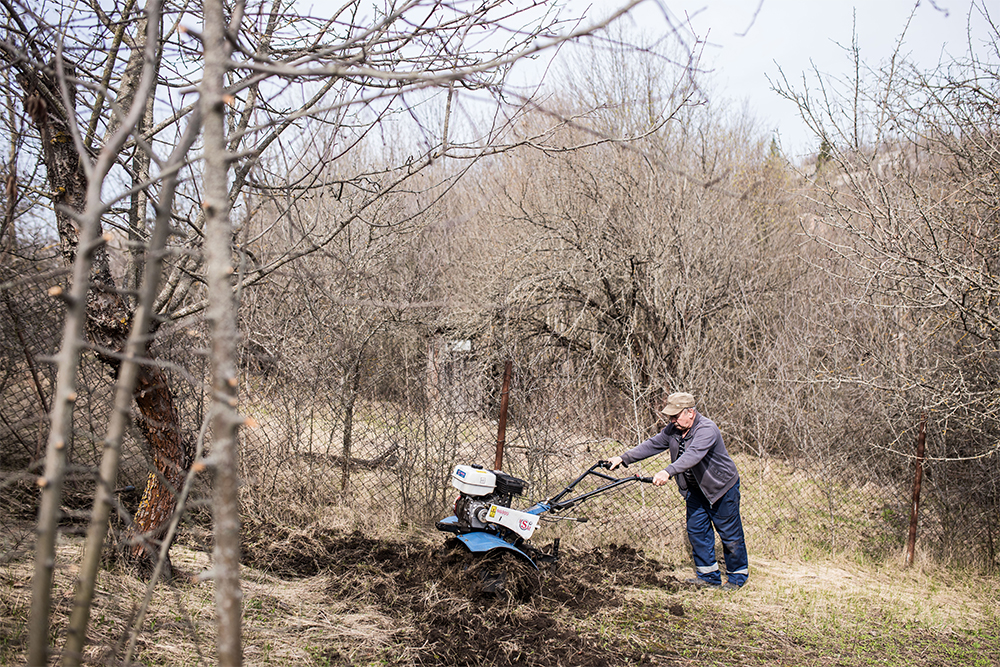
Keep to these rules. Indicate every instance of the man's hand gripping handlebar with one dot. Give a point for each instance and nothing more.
(659, 479)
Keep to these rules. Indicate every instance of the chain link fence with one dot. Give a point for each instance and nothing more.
(375, 446)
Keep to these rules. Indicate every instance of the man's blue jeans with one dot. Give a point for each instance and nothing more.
(725, 517)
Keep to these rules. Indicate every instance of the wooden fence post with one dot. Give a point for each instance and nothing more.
(917, 477)
(502, 428)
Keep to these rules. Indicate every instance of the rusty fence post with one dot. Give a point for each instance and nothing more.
(917, 478)
(502, 428)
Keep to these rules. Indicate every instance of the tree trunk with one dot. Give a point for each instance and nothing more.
(109, 316)
(221, 315)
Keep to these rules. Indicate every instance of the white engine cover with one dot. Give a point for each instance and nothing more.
(473, 481)
(522, 523)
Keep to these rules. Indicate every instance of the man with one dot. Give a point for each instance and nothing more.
(707, 478)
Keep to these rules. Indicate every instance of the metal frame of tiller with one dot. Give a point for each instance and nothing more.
(494, 537)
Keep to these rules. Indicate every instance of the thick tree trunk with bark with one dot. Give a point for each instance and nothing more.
(109, 315)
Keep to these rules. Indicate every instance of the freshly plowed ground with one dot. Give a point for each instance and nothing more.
(436, 592)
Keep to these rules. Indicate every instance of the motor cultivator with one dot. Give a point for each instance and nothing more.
(487, 525)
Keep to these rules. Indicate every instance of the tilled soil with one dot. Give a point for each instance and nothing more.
(436, 591)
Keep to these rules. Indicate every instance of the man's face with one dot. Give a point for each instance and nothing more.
(683, 419)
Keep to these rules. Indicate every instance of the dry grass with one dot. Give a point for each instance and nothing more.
(328, 584)
(329, 595)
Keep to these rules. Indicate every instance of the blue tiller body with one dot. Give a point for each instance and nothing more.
(486, 525)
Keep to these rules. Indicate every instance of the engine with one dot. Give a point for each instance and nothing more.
(479, 490)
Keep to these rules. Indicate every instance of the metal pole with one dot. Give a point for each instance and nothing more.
(912, 539)
(502, 428)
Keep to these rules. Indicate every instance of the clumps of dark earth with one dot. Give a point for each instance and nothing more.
(437, 590)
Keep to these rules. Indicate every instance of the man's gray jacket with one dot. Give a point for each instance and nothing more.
(704, 455)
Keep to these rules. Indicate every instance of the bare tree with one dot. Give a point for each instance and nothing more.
(266, 81)
(905, 209)
(652, 257)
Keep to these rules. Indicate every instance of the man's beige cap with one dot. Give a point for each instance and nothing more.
(678, 401)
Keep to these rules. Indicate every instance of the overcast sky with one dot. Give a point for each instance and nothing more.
(749, 39)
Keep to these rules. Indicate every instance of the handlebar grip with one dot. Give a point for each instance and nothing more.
(647, 480)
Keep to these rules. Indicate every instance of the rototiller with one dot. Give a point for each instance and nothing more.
(487, 525)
